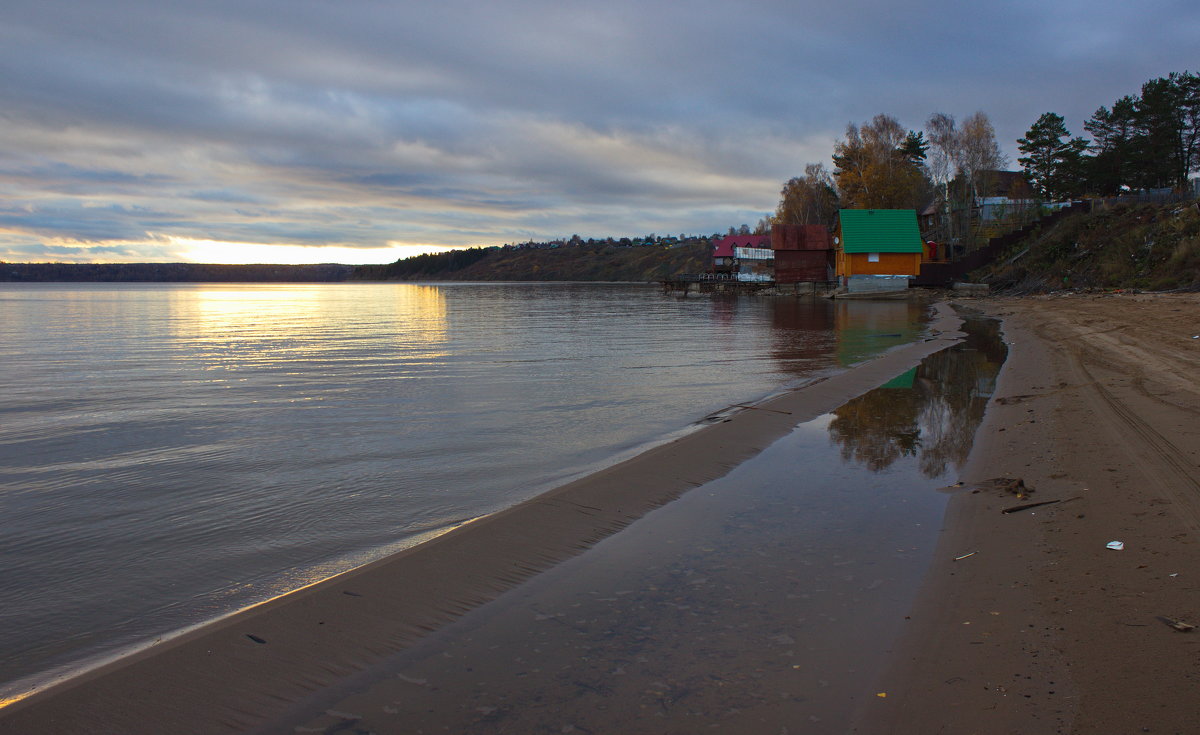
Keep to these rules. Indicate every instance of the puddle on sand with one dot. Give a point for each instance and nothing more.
(762, 602)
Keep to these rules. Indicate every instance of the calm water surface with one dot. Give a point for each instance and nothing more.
(171, 453)
(763, 602)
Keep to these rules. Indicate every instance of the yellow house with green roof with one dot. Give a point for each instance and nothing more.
(878, 242)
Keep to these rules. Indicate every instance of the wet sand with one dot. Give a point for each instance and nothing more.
(1044, 629)
(247, 671)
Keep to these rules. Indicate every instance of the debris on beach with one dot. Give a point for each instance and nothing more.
(410, 680)
(1012, 485)
(965, 556)
(1016, 486)
(1178, 625)
(1115, 545)
(1027, 506)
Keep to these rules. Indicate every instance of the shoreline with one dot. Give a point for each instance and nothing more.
(236, 673)
(1043, 628)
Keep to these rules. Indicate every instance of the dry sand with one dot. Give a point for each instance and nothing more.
(1043, 629)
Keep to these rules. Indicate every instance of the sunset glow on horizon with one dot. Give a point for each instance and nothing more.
(219, 252)
(137, 132)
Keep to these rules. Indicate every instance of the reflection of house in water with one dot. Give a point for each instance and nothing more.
(802, 334)
(930, 412)
(866, 328)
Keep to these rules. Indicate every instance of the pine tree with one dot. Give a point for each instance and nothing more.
(914, 147)
(1116, 137)
(1053, 159)
(1168, 113)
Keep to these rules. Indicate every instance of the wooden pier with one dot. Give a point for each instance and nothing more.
(719, 283)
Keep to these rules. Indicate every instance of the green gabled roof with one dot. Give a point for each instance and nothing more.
(880, 231)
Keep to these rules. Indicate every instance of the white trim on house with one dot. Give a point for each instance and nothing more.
(754, 253)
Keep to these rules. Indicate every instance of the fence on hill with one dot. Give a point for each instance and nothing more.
(944, 275)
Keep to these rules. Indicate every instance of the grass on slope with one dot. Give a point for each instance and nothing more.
(1138, 246)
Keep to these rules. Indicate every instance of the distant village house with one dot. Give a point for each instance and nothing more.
(746, 258)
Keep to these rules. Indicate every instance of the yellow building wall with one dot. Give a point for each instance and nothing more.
(889, 264)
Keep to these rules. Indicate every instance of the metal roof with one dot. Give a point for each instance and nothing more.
(880, 231)
(723, 247)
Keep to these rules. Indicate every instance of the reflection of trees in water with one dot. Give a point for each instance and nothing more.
(878, 428)
(935, 419)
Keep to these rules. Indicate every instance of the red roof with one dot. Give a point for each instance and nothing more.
(723, 248)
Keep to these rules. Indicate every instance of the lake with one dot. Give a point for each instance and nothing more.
(170, 453)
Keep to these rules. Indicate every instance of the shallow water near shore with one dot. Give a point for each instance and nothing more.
(172, 453)
(761, 602)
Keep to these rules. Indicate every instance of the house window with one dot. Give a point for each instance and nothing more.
(872, 257)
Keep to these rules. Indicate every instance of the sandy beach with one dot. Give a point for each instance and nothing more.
(1025, 622)
(1044, 629)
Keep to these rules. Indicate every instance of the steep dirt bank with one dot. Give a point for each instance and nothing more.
(1127, 246)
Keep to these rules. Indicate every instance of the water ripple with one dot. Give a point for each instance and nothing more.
(172, 452)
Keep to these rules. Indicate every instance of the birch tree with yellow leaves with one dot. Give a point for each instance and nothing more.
(879, 166)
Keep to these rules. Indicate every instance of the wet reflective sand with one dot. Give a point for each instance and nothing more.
(761, 602)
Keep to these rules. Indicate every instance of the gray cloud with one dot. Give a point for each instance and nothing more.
(453, 123)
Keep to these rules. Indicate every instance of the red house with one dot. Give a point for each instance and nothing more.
(724, 257)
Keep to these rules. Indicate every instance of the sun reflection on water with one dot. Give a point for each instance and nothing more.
(288, 322)
(422, 311)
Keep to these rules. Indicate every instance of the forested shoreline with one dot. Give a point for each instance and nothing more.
(599, 262)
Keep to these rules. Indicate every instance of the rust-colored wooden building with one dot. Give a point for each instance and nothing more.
(803, 253)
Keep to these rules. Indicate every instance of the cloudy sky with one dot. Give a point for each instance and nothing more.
(360, 131)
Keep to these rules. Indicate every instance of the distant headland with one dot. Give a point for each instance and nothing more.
(584, 261)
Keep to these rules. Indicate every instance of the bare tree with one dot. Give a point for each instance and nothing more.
(979, 152)
(941, 160)
(961, 160)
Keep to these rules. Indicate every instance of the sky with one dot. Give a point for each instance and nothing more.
(362, 131)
